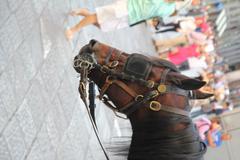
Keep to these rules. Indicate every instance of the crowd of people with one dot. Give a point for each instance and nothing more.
(188, 40)
(182, 34)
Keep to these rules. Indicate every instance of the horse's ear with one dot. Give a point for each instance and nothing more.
(184, 82)
(92, 42)
(197, 94)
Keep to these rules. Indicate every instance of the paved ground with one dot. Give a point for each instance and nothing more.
(41, 116)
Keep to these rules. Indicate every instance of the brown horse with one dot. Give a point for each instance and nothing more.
(153, 95)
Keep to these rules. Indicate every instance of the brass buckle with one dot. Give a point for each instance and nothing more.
(156, 94)
(155, 106)
(150, 84)
(162, 88)
(109, 80)
(113, 64)
(138, 97)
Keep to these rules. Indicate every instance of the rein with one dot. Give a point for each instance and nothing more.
(86, 66)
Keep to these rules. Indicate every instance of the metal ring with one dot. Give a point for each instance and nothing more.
(109, 80)
(139, 97)
(76, 63)
(155, 106)
(150, 84)
(84, 64)
(113, 64)
(156, 94)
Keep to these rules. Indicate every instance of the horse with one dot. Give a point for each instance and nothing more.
(154, 96)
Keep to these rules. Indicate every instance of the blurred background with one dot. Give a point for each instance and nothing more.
(41, 114)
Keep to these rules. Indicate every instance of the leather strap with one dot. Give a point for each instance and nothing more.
(176, 90)
(106, 85)
(109, 82)
(133, 106)
(164, 75)
(130, 91)
(109, 55)
(174, 110)
(136, 104)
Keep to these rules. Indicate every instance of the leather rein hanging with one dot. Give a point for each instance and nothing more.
(85, 63)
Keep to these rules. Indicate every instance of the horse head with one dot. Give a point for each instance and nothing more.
(126, 78)
(150, 91)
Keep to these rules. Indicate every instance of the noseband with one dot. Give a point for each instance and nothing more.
(136, 69)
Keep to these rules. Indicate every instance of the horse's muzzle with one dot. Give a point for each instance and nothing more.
(85, 57)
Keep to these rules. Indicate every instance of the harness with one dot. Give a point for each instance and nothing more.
(137, 69)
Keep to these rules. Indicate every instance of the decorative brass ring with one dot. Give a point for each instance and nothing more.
(113, 64)
(155, 106)
(156, 94)
(138, 97)
(150, 84)
(162, 88)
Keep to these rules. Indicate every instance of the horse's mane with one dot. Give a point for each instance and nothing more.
(160, 143)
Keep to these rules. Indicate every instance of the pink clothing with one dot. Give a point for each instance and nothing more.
(183, 54)
(202, 23)
(204, 27)
(197, 38)
(203, 125)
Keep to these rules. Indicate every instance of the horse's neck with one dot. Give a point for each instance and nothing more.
(161, 122)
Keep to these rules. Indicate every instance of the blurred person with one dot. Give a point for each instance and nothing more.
(123, 13)
(194, 67)
(203, 125)
(179, 55)
(218, 108)
(215, 135)
(202, 24)
(211, 132)
(178, 24)
(183, 39)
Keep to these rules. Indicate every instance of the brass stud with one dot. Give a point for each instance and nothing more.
(162, 88)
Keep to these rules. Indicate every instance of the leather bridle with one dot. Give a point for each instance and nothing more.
(115, 77)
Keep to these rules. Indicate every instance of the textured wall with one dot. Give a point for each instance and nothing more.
(41, 116)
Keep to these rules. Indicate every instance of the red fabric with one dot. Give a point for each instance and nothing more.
(183, 53)
(204, 27)
(200, 19)
(202, 23)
